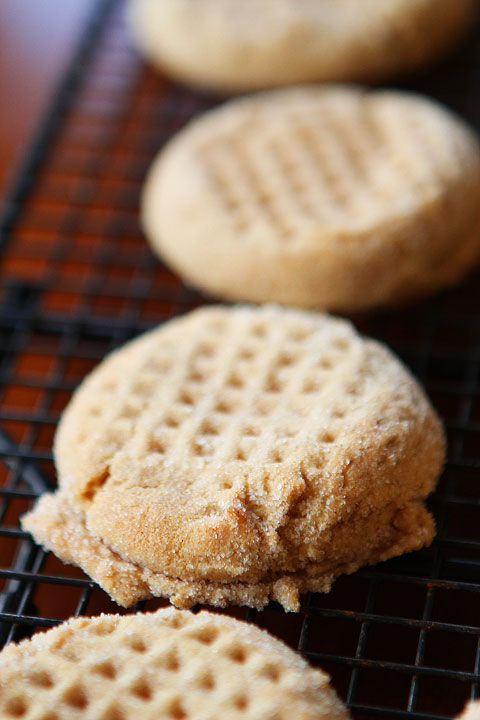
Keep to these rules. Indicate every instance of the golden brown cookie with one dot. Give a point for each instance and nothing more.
(237, 46)
(335, 198)
(170, 664)
(240, 454)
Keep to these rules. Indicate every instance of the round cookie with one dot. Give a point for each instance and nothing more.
(334, 198)
(237, 46)
(240, 454)
(170, 664)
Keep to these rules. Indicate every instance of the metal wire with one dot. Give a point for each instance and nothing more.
(401, 640)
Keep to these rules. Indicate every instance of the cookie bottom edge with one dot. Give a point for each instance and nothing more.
(61, 528)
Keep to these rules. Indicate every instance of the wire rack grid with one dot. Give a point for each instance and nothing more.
(401, 640)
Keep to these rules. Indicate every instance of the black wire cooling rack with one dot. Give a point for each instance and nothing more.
(401, 640)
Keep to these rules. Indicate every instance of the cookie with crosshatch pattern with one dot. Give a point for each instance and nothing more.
(330, 197)
(171, 664)
(239, 454)
(238, 46)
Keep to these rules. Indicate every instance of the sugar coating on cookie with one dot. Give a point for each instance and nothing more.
(237, 455)
(335, 198)
(170, 664)
(238, 46)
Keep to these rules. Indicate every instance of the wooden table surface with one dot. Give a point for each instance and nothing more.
(37, 40)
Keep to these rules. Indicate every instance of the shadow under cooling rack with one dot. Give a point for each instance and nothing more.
(401, 640)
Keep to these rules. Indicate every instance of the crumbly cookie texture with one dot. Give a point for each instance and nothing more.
(240, 454)
(235, 47)
(386, 533)
(168, 664)
(336, 198)
(471, 711)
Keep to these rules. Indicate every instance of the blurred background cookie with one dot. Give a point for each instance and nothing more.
(238, 46)
(169, 664)
(330, 197)
(237, 455)
(471, 711)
